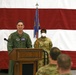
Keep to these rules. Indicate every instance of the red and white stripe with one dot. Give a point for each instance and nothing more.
(58, 17)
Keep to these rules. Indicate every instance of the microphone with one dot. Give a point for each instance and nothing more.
(5, 39)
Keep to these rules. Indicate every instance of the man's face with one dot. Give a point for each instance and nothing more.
(20, 26)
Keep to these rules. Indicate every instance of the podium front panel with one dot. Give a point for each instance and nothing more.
(28, 68)
(28, 55)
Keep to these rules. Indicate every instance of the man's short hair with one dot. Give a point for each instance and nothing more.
(20, 21)
(43, 30)
(64, 61)
(54, 53)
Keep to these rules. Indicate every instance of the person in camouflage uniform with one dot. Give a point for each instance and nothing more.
(44, 43)
(51, 68)
(64, 64)
(18, 39)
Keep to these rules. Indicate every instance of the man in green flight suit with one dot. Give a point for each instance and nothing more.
(18, 39)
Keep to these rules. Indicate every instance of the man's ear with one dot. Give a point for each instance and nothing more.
(71, 64)
(23, 26)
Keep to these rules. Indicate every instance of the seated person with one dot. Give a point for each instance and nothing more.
(64, 64)
(52, 66)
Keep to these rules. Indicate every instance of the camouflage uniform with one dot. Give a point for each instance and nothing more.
(66, 74)
(45, 44)
(57, 73)
(17, 41)
(49, 69)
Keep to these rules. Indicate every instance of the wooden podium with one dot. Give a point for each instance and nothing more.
(25, 60)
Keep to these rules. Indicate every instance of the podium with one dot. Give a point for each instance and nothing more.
(26, 60)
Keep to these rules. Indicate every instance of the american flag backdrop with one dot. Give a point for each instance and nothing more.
(57, 16)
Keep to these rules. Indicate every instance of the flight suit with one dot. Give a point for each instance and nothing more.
(17, 41)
